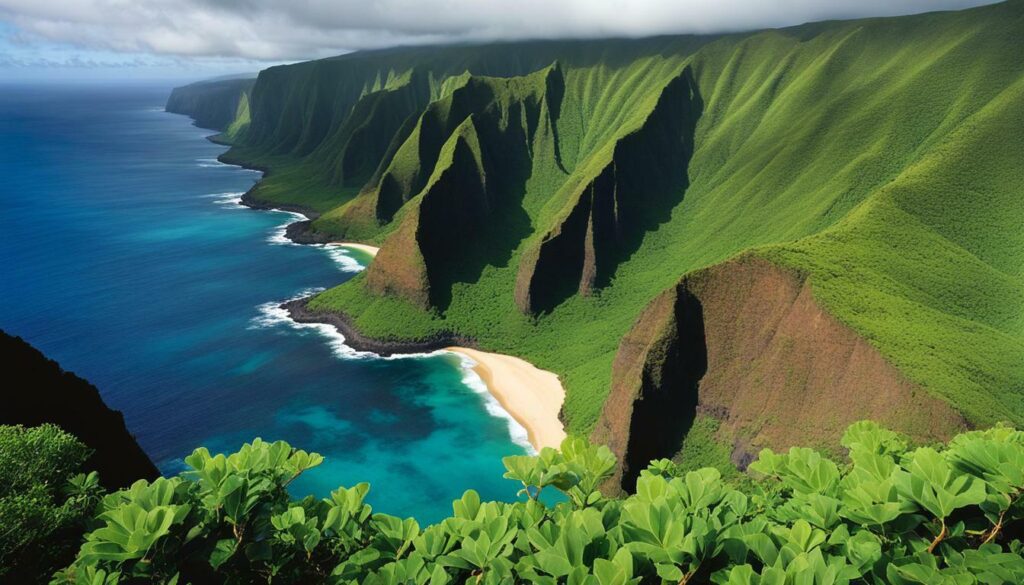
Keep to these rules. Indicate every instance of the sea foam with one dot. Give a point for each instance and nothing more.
(343, 258)
(208, 163)
(273, 315)
(277, 236)
(229, 200)
(471, 379)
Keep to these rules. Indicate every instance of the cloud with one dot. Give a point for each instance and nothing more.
(267, 30)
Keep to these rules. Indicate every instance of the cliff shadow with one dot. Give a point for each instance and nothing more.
(632, 195)
(667, 406)
(479, 219)
(648, 179)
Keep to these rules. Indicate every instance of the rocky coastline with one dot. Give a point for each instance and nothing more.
(300, 312)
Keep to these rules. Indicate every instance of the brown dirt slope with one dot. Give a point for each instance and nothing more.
(746, 342)
(399, 268)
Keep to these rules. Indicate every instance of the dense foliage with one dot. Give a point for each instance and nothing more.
(892, 514)
(44, 501)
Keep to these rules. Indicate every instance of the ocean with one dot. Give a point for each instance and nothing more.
(126, 257)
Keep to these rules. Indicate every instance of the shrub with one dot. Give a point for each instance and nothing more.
(44, 501)
(891, 514)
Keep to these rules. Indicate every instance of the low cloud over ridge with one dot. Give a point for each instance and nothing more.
(267, 30)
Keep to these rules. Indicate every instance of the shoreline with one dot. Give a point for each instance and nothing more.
(371, 250)
(300, 312)
(249, 198)
(530, 396)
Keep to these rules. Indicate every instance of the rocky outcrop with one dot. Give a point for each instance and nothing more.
(627, 195)
(39, 391)
(302, 232)
(299, 311)
(746, 342)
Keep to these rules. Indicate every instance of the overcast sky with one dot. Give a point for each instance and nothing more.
(199, 38)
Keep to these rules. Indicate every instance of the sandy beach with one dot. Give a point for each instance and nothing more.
(532, 396)
(371, 250)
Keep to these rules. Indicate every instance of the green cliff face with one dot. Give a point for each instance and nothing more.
(218, 105)
(538, 197)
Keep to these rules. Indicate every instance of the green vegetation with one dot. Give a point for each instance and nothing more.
(241, 119)
(44, 501)
(700, 449)
(876, 155)
(949, 514)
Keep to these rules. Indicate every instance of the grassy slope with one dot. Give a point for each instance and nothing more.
(882, 156)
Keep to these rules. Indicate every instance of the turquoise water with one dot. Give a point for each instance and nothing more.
(126, 258)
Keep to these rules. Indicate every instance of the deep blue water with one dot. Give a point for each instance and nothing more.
(125, 258)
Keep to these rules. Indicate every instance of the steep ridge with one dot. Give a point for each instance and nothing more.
(477, 146)
(303, 115)
(240, 123)
(635, 188)
(877, 159)
(365, 136)
(413, 156)
(351, 158)
(747, 343)
(409, 171)
(404, 266)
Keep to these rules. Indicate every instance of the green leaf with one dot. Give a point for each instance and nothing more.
(669, 572)
(222, 552)
(931, 482)
(468, 506)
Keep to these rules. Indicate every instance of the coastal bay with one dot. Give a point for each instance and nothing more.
(529, 395)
